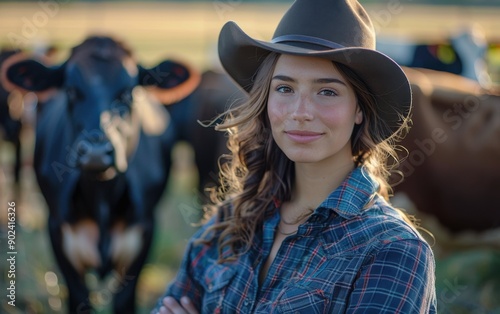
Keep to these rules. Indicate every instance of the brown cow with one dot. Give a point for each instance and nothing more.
(452, 165)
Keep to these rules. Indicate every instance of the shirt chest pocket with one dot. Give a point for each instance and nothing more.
(313, 295)
(215, 281)
(302, 298)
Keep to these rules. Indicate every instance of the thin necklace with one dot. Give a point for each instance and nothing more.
(299, 219)
(285, 233)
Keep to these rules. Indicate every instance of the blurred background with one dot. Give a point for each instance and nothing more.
(188, 30)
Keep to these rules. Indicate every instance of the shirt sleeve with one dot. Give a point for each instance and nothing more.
(184, 283)
(399, 279)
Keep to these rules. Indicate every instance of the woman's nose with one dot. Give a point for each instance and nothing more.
(302, 109)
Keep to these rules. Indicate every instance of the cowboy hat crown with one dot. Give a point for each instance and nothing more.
(330, 24)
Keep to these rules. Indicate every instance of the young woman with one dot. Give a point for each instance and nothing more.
(304, 224)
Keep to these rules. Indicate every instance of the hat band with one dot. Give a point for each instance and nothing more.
(308, 40)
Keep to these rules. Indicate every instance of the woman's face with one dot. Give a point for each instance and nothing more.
(312, 110)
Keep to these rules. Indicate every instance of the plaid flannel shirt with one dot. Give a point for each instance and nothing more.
(354, 254)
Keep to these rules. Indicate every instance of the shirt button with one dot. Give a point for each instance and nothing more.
(210, 286)
(246, 302)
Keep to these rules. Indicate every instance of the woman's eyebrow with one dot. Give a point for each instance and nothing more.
(283, 78)
(319, 80)
(330, 80)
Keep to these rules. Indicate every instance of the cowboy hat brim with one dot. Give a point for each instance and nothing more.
(242, 55)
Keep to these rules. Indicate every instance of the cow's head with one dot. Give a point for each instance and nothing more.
(98, 82)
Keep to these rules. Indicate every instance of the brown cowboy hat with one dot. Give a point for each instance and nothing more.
(338, 30)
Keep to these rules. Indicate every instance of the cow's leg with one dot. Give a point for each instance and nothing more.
(17, 168)
(79, 301)
(124, 299)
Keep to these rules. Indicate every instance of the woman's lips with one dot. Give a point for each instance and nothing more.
(303, 137)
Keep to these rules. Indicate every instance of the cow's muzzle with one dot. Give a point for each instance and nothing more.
(95, 156)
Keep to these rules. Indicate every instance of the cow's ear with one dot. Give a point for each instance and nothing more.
(169, 81)
(33, 76)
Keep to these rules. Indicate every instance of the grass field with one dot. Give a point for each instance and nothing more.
(189, 32)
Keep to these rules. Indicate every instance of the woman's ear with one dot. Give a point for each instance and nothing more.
(359, 116)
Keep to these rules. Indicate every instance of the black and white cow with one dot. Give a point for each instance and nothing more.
(102, 159)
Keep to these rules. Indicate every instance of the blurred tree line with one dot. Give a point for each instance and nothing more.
(430, 2)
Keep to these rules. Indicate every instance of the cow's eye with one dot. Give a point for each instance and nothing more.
(126, 97)
(74, 94)
(120, 108)
(122, 104)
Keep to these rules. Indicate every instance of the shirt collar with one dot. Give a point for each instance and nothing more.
(352, 195)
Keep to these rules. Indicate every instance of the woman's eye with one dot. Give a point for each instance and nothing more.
(328, 92)
(283, 89)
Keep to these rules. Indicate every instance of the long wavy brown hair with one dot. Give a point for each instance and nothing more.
(258, 172)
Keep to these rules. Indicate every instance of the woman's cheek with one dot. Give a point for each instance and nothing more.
(277, 112)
